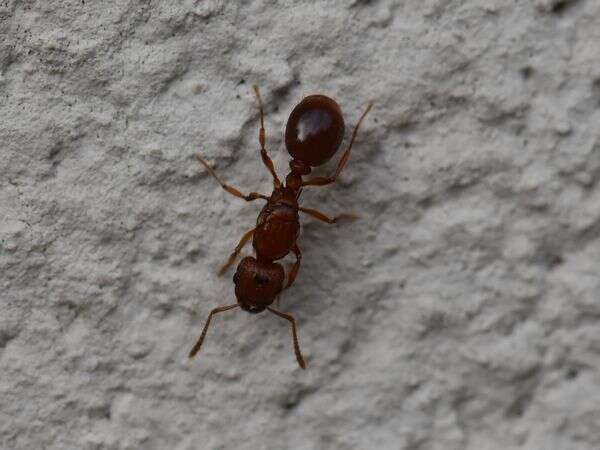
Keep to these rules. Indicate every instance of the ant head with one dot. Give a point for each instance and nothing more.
(314, 130)
(257, 284)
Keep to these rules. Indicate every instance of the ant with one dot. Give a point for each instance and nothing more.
(314, 132)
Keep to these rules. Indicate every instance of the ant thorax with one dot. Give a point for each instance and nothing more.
(277, 225)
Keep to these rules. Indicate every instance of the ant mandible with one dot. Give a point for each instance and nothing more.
(314, 132)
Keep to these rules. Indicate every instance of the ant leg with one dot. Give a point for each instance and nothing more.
(230, 189)
(294, 272)
(319, 215)
(243, 241)
(261, 139)
(323, 181)
(196, 347)
(299, 357)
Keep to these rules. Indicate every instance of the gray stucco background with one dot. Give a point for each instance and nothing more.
(460, 312)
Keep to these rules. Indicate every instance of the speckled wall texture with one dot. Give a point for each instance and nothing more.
(461, 311)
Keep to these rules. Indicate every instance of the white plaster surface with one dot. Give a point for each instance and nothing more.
(461, 312)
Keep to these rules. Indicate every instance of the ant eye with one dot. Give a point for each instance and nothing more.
(236, 277)
(261, 279)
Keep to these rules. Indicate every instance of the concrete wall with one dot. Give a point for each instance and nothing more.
(460, 312)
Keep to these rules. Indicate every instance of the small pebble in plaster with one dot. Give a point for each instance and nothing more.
(313, 134)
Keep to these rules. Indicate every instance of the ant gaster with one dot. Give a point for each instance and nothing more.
(314, 132)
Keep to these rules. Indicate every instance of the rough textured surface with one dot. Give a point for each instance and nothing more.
(461, 312)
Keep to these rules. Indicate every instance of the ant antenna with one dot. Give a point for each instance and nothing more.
(299, 357)
(196, 348)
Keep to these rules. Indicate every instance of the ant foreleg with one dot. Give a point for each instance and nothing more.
(243, 241)
(261, 139)
(296, 267)
(323, 181)
(230, 189)
(299, 357)
(196, 347)
(319, 215)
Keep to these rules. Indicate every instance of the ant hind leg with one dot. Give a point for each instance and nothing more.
(230, 189)
(323, 181)
(319, 215)
(261, 139)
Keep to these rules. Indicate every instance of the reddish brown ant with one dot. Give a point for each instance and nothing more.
(314, 132)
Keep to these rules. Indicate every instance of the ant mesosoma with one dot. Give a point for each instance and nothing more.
(314, 132)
